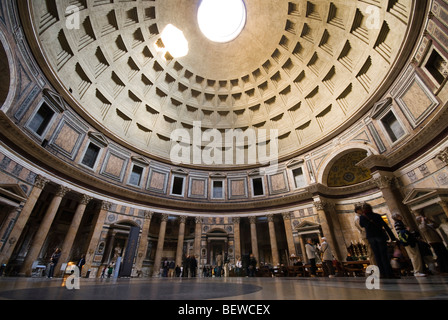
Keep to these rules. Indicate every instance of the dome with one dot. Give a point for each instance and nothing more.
(293, 75)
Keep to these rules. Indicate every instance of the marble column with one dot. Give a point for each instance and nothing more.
(253, 237)
(302, 243)
(180, 240)
(444, 206)
(443, 156)
(237, 237)
(289, 236)
(42, 232)
(273, 240)
(394, 201)
(95, 238)
(143, 246)
(160, 243)
(328, 225)
(13, 214)
(22, 219)
(197, 238)
(72, 231)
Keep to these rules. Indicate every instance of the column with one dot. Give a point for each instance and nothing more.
(180, 240)
(160, 243)
(444, 206)
(43, 230)
(443, 156)
(327, 225)
(72, 231)
(303, 248)
(289, 236)
(386, 183)
(253, 237)
(273, 239)
(237, 237)
(95, 238)
(13, 214)
(143, 246)
(197, 237)
(22, 219)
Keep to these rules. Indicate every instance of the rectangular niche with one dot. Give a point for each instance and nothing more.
(197, 187)
(278, 183)
(237, 188)
(257, 185)
(68, 136)
(415, 99)
(115, 164)
(158, 180)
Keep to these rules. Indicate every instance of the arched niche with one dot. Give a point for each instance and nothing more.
(343, 170)
(7, 85)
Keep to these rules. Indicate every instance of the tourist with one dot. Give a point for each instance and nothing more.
(238, 267)
(252, 265)
(185, 266)
(54, 261)
(110, 270)
(311, 254)
(327, 258)
(377, 232)
(362, 233)
(409, 242)
(81, 263)
(219, 263)
(428, 230)
(193, 266)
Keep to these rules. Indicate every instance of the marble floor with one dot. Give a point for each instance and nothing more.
(221, 289)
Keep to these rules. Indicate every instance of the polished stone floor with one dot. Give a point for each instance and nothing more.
(232, 289)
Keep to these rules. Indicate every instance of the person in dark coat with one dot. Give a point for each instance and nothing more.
(193, 266)
(377, 232)
(54, 261)
(185, 266)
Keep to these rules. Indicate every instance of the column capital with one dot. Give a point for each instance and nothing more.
(165, 217)
(85, 199)
(253, 219)
(183, 219)
(41, 182)
(287, 215)
(384, 182)
(105, 205)
(198, 220)
(443, 156)
(320, 204)
(62, 191)
(149, 214)
(236, 220)
(270, 217)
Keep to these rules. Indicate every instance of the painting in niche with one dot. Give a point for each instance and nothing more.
(344, 171)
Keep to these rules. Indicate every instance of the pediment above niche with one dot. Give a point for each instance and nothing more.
(294, 162)
(99, 138)
(13, 192)
(380, 107)
(180, 171)
(218, 176)
(56, 100)
(255, 172)
(140, 160)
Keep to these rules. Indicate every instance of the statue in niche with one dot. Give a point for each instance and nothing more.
(117, 252)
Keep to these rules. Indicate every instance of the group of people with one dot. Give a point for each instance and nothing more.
(416, 243)
(424, 247)
(54, 259)
(322, 250)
